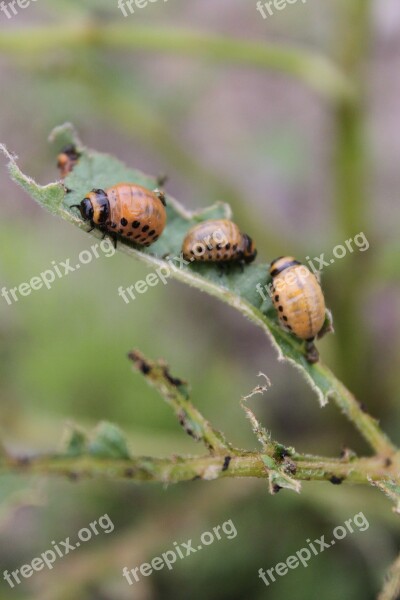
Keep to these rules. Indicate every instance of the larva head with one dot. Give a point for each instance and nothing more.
(63, 161)
(249, 249)
(95, 207)
(67, 158)
(281, 264)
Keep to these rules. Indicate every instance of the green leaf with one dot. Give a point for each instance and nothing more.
(391, 489)
(278, 478)
(76, 442)
(108, 442)
(237, 287)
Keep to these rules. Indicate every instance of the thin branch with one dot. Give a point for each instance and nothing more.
(356, 413)
(391, 588)
(317, 71)
(264, 437)
(281, 466)
(186, 468)
(175, 393)
(351, 172)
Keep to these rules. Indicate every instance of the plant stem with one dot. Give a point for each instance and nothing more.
(391, 588)
(350, 175)
(175, 393)
(356, 414)
(317, 71)
(186, 468)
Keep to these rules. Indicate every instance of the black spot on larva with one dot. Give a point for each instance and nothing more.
(152, 232)
(210, 257)
(276, 298)
(280, 308)
(155, 238)
(191, 252)
(201, 257)
(234, 247)
(113, 225)
(284, 317)
(219, 246)
(227, 247)
(143, 239)
(226, 255)
(336, 480)
(199, 249)
(218, 256)
(227, 460)
(129, 234)
(289, 327)
(145, 228)
(137, 237)
(124, 222)
(136, 224)
(120, 231)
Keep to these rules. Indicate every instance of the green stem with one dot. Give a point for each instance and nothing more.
(350, 174)
(355, 412)
(175, 393)
(186, 468)
(317, 71)
(391, 589)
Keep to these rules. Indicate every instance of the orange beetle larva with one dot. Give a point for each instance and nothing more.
(298, 298)
(127, 209)
(219, 241)
(67, 159)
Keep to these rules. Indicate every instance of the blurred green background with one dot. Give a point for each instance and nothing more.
(303, 172)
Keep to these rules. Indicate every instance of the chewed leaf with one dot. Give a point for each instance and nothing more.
(239, 287)
(75, 442)
(391, 489)
(277, 478)
(108, 442)
(105, 441)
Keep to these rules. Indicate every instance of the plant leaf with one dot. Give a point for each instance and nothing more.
(277, 478)
(108, 442)
(105, 441)
(237, 287)
(391, 489)
(75, 443)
